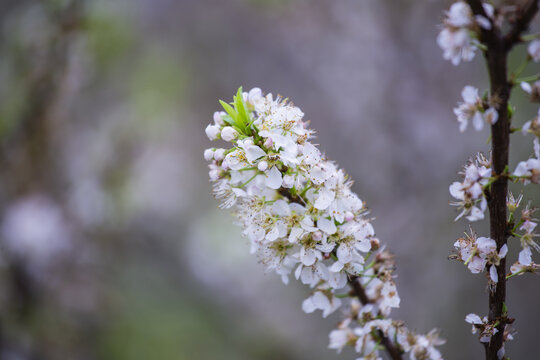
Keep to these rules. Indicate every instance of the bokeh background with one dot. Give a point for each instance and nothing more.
(111, 244)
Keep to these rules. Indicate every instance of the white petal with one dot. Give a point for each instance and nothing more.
(337, 266)
(470, 94)
(525, 256)
(345, 253)
(456, 190)
(324, 199)
(281, 208)
(327, 226)
(491, 116)
(296, 232)
(526, 87)
(478, 121)
(274, 179)
(473, 319)
(493, 274)
(254, 152)
(503, 251)
(308, 306)
(308, 256)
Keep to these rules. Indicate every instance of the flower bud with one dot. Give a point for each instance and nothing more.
(288, 181)
(209, 154)
(262, 166)
(268, 143)
(219, 154)
(213, 174)
(228, 133)
(254, 95)
(349, 216)
(218, 119)
(212, 131)
(317, 236)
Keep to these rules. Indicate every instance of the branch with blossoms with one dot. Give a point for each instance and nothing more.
(470, 26)
(297, 209)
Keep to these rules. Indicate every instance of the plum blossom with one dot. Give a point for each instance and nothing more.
(477, 253)
(529, 171)
(483, 326)
(472, 109)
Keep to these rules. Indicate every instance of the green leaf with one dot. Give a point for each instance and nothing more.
(229, 109)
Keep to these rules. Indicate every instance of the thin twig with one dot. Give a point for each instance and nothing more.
(521, 25)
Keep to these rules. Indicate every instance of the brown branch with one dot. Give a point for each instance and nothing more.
(524, 18)
(358, 290)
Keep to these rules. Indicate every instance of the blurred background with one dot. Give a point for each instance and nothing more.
(111, 244)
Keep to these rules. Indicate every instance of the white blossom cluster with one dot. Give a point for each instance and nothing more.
(301, 217)
(458, 37)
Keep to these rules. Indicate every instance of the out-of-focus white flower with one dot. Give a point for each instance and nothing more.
(534, 50)
(321, 301)
(529, 171)
(35, 229)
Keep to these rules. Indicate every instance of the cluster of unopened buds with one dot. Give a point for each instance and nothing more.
(301, 217)
(459, 39)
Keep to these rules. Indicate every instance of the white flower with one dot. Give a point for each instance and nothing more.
(390, 297)
(320, 301)
(529, 170)
(534, 50)
(470, 109)
(339, 338)
(459, 15)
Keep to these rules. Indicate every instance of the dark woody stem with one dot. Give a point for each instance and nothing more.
(496, 54)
